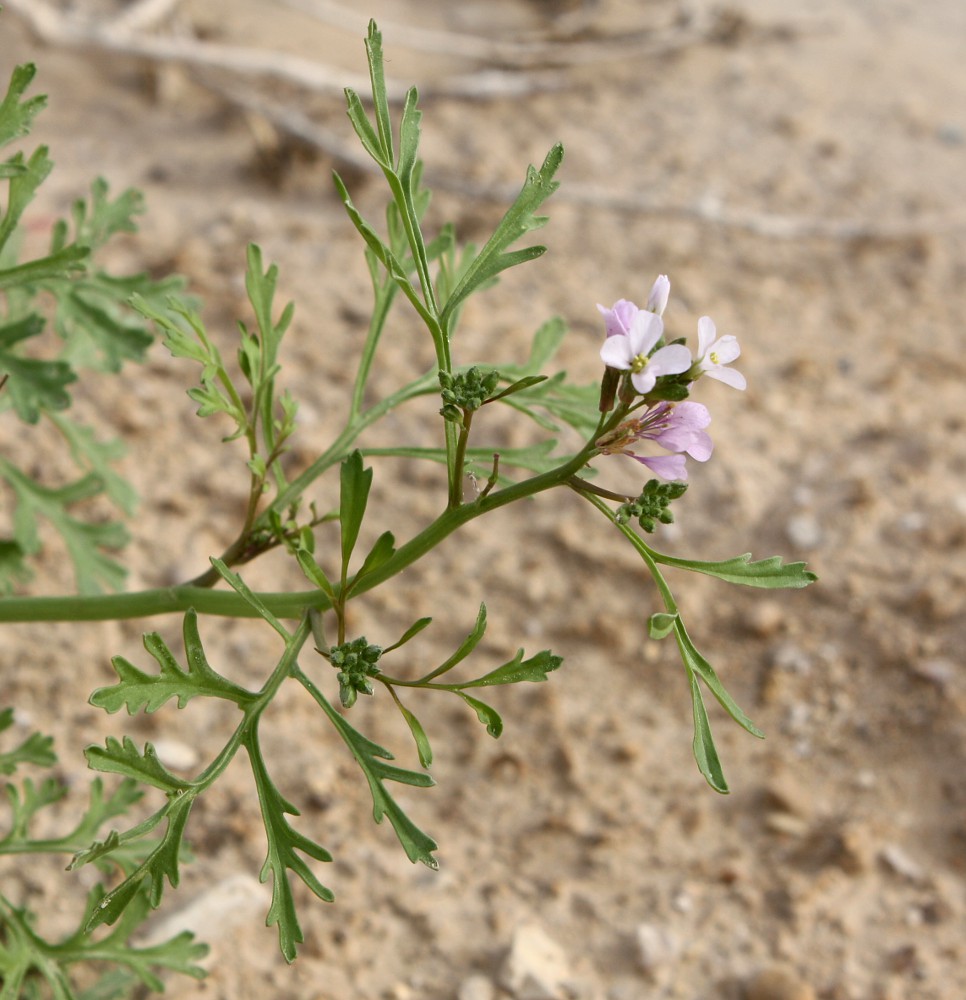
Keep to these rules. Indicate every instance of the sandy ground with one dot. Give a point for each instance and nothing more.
(801, 176)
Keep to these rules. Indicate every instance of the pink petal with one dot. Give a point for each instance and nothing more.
(661, 290)
(670, 467)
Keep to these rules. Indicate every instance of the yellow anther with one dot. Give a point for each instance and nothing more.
(639, 364)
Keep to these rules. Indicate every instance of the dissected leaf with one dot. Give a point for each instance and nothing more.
(123, 757)
(137, 690)
(372, 758)
(283, 843)
(16, 115)
(518, 221)
(518, 669)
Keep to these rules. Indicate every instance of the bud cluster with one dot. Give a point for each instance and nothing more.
(356, 662)
(464, 392)
(652, 505)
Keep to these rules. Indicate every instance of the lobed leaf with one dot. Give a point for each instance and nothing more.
(123, 757)
(770, 573)
(518, 669)
(283, 843)
(137, 690)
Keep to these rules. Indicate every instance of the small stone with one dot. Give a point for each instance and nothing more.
(536, 966)
(778, 982)
(898, 862)
(765, 619)
(214, 915)
(476, 988)
(176, 755)
(656, 946)
(804, 531)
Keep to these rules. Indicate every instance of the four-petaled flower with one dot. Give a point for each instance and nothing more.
(677, 427)
(715, 352)
(631, 352)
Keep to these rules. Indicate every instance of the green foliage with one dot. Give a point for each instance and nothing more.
(86, 307)
(27, 958)
(95, 328)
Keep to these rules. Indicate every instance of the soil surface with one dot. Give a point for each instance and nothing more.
(799, 171)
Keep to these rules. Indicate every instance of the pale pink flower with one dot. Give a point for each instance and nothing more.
(715, 352)
(677, 427)
(631, 352)
(660, 291)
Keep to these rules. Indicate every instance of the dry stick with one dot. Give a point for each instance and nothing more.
(144, 15)
(54, 28)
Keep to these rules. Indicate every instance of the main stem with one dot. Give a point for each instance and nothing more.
(165, 600)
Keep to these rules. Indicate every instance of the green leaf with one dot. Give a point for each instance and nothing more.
(380, 97)
(386, 257)
(371, 759)
(518, 669)
(465, 647)
(661, 624)
(705, 752)
(35, 749)
(240, 587)
(518, 221)
(380, 553)
(355, 482)
(768, 573)
(137, 690)
(423, 749)
(125, 758)
(413, 630)
(283, 842)
(161, 864)
(518, 386)
(95, 456)
(486, 714)
(57, 266)
(314, 573)
(85, 542)
(28, 176)
(16, 115)
(697, 664)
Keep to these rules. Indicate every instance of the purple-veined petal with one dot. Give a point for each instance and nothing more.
(670, 467)
(619, 317)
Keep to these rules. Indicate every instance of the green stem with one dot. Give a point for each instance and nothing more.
(110, 607)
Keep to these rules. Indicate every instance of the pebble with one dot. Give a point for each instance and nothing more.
(176, 755)
(656, 946)
(214, 914)
(899, 862)
(536, 967)
(804, 531)
(778, 982)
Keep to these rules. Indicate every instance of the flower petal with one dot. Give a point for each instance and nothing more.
(729, 376)
(670, 360)
(657, 300)
(616, 352)
(618, 318)
(706, 335)
(646, 330)
(726, 349)
(670, 467)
